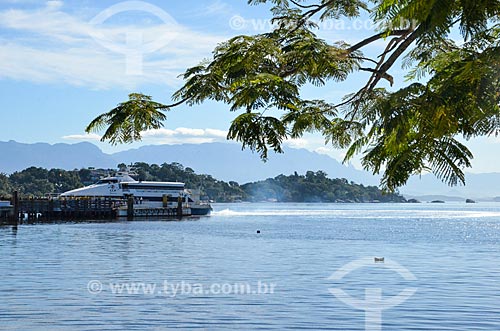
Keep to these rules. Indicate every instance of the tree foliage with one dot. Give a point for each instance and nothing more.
(453, 87)
(209, 187)
(126, 122)
(5, 187)
(38, 182)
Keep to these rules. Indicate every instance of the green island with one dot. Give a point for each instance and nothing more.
(311, 187)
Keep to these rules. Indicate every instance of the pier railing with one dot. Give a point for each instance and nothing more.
(65, 209)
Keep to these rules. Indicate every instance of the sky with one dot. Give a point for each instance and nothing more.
(64, 62)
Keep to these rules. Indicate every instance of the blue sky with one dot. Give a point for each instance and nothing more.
(62, 63)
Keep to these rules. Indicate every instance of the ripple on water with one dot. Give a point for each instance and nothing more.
(452, 250)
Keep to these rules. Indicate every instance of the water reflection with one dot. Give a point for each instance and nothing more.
(8, 232)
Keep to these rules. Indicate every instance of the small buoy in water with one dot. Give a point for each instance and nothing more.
(379, 260)
(258, 231)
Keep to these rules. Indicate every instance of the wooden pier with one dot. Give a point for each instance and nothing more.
(6, 212)
(81, 209)
(65, 209)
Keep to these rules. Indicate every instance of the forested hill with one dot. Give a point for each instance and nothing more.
(311, 187)
(315, 187)
(38, 182)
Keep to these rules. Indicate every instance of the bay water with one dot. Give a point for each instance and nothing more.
(259, 267)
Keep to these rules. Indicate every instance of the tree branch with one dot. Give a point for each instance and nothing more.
(303, 6)
(174, 104)
(381, 74)
(306, 16)
(364, 59)
(376, 37)
(395, 55)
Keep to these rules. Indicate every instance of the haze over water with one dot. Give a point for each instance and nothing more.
(50, 273)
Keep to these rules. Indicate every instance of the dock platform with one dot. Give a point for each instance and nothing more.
(75, 209)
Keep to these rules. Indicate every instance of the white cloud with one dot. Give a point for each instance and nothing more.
(323, 150)
(297, 143)
(216, 133)
(54, 4)
(184, 136)
(76, 67)
(167, 136)
(217, 7)
(83, 137)
(159, 133)
(191, 132)
(48, 45)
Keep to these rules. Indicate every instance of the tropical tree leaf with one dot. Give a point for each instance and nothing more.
(258, 132)
(129, 119)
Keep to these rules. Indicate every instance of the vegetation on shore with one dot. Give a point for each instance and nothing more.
(311, 187)
(315, 187)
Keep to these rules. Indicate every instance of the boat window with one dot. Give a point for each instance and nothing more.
(107, 181)
(155, 187)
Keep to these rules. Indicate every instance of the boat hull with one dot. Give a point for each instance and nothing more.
(201, 210)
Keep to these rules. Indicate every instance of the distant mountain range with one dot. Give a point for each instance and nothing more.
(18, 156)
(226, 161)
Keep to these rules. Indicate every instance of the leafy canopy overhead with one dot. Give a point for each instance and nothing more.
(399, 132)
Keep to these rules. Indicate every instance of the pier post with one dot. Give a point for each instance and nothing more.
(165, 199)
(130, 207)
(50, 210)
(15, 204)
(179, 207)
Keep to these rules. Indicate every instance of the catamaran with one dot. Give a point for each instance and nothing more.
(145, 193)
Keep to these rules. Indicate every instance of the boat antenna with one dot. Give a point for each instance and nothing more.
(131, 170)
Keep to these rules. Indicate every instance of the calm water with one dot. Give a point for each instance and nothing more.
(68, 276)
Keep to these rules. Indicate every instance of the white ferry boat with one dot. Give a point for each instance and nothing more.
(145, 193)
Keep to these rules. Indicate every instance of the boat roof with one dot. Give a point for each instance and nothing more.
(125, 177)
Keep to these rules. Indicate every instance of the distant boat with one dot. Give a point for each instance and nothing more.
(470, 201)
(437, 201)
